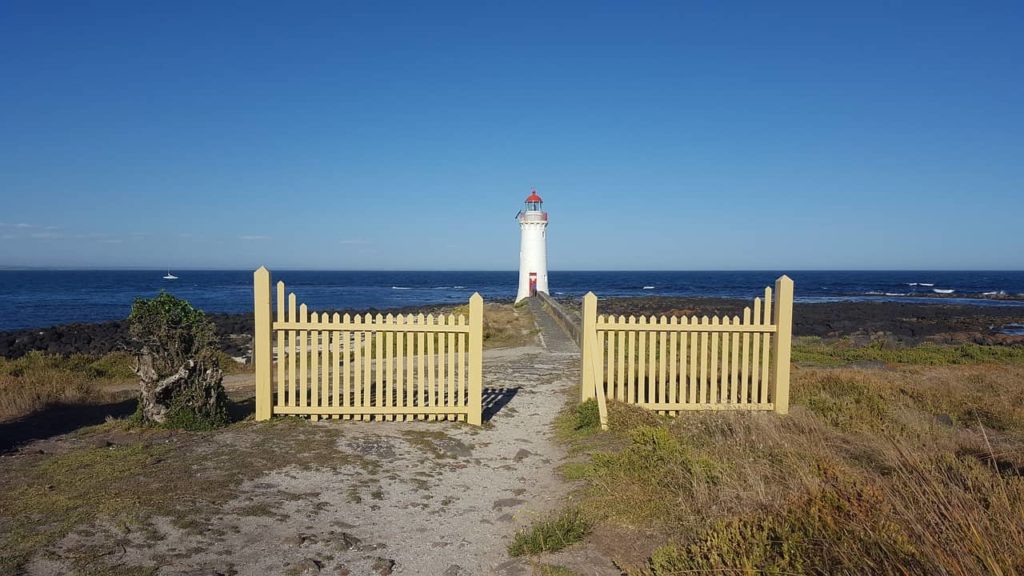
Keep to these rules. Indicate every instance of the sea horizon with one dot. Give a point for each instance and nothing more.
(40, 298)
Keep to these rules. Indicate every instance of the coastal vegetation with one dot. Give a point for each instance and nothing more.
(37, 380)
(181, 380)
(893, 460)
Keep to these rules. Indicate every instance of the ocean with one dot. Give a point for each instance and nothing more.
(35, 299)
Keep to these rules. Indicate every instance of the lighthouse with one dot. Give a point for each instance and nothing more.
(533, 251)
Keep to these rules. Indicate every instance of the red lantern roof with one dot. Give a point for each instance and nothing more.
(534, 197)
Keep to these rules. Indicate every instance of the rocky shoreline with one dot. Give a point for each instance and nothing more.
(902, 322)
(907, 323)
(234, 332)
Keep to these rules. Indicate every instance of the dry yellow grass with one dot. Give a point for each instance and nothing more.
(38, 380)
(907, 470)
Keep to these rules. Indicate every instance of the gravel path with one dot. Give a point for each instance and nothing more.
(419, 497)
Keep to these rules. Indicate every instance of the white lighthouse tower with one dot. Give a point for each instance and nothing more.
(533, 250)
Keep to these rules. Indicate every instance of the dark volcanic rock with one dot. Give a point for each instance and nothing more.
(234, 331)
(948, 323)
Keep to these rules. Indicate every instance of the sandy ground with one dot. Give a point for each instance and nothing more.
(436, 499)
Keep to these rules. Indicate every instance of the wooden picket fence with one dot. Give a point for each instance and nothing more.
(365, 367)
(673, 364)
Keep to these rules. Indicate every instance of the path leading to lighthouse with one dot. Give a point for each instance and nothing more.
(396, 498)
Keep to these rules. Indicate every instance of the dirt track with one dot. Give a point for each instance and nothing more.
(396, 497)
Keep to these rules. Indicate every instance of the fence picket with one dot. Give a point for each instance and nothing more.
(745, 370)
(368, 366)
(452, 382)
(303, 359)
(281, 353)
(716, 373)
(314, 366)
(766, 351)
(431, 369)
(683, 351)
(379, 396)
(734, 379)
(421, 371)
(399, 383)
(293, 351)
(346, 373)
(410, 366)
(460, 361)
(755, 352)
(620, 392)
(673, 363)
(631, 382)
(704, 391)
(338, 361)
(642, 377)
(389, 368)
(694, 364)
(599, 369)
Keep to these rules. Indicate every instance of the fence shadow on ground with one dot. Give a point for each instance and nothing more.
(494, 399)
(60, 419)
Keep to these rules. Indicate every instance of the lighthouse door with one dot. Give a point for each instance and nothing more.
(533, 283)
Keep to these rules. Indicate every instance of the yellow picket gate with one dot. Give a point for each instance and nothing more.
(672, 364)
(365, 367)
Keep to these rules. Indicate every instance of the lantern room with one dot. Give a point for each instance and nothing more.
(534, 202)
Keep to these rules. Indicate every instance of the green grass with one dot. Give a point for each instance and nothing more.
(551, 535)
(842, 352)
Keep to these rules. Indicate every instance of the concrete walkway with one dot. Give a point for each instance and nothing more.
(554, 338)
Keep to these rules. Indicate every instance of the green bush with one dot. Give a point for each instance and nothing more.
(173, 331)
(177, 345)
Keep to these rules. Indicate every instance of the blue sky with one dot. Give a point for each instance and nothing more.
(676, 135)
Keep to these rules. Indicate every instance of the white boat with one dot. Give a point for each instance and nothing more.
(170, 276)
(942, 291)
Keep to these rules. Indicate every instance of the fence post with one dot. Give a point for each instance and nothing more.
(598, 387)
(782, 343)
(261, 349)
(587, 350)
(476, 352)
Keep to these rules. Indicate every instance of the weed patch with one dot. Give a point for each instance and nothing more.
(551, 535)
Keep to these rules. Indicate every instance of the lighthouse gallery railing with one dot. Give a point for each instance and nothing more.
(673, 364)
(365, 367)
